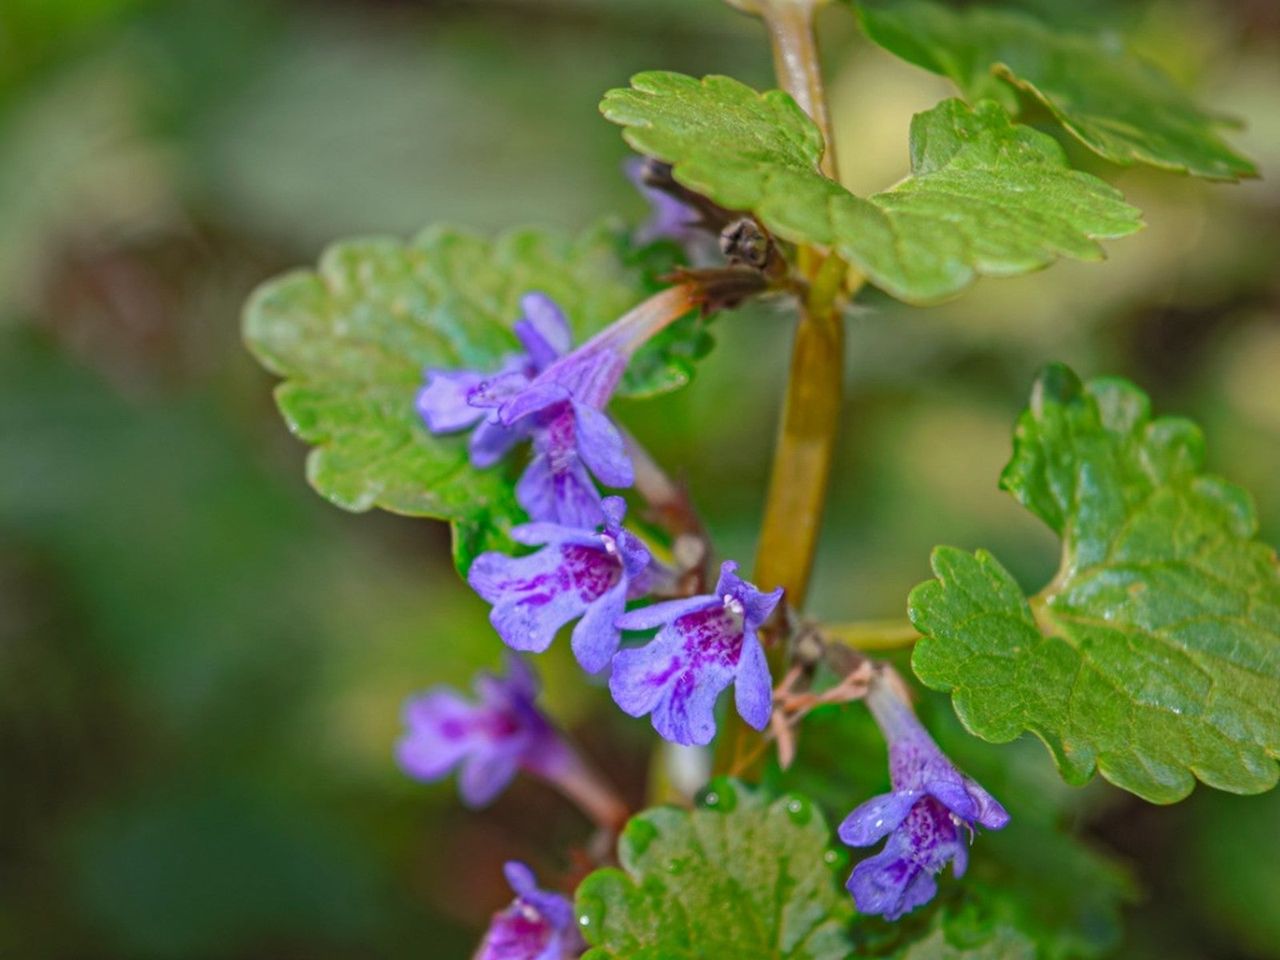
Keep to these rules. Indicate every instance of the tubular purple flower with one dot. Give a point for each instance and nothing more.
(706, 643)
(488, 740)
(538, 925)
(576, 574)
(923, 816)
(563, 408)
(454, 400)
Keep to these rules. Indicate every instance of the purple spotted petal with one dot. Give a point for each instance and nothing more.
(890, 884)
(530, 600)
(601, 447)
(877, 818)
(535, 595)
(543, 330)
(656, 614)
(442, 402)
(563, 495)
(678, 676)
(753, 688)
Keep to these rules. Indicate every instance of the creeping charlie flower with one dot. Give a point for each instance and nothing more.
(577, 573)
(926, 816)
(538, 925)
(705, 644)
(454, 400)
(489, 739)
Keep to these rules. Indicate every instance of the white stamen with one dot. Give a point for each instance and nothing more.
(733, 604)
(610, 544)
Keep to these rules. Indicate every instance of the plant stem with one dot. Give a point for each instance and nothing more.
(867, 636)
(806, 442)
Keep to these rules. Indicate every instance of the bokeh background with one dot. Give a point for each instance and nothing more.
(201, 662)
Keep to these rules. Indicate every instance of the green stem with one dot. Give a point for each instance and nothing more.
(806, 441)
(868, 636)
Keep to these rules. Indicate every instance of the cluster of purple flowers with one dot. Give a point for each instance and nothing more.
(587, 567)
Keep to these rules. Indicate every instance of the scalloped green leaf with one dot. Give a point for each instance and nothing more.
(738, 877)
(351, 340)
(1115, 103)
(1154, 655)
(985, 196)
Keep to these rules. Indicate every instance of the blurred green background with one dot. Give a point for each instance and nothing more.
(201, 662)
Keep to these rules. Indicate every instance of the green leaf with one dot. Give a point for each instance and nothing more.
(738, 877)
(353, 337)
(1113, 102)
(1154, 655)
(985, 197)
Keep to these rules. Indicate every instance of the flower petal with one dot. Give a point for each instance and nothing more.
(877, 817)
(641, 674)
(491, 442)
(890, 883)
(543, 329)
(601, 447)
(686, 715)
(756, 605)
(595, 639)
(541, 532)
(753, 687)
(567, 497)
(533, 596)
(536, 397)
(442, 402)
(485, 775)
(441, 732)
(657, 614)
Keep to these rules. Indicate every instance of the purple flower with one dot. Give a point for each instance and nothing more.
(563, 408)
(489, 739)
(577, 574)
(538, 925)
(931, 807)
(705, 644)
(454, 400)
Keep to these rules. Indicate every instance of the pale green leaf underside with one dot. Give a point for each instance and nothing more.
(744, 878)
(985, 196)
(1154, 656)
(1113, 102)
(352, 339)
